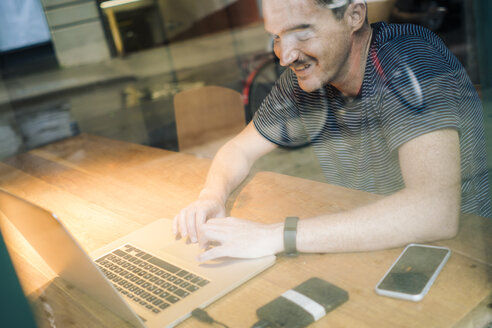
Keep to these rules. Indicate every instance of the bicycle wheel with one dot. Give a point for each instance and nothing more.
(259, 85)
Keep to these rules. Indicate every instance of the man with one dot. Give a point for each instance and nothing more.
(387, 109)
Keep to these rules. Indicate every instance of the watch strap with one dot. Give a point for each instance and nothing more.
(290, 232)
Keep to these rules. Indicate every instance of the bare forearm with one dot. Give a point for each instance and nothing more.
(403, 218)
(233, 162)
(427, 209)
(399, 219)
(229, 168)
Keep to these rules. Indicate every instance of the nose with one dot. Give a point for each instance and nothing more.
(286, 52)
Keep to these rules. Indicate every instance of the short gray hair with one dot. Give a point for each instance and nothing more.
(337, 6)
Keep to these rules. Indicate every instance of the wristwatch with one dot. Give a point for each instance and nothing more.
(290, 232)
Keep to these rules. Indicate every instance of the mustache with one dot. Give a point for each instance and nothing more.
(301, 61)
(298, 64)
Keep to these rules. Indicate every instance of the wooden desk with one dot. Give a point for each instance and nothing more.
(103, 189)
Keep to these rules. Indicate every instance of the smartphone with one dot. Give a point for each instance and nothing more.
(413, 272)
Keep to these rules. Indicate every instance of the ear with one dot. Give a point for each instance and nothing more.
(356, 15)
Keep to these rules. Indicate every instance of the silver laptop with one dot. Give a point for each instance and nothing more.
(147, 278)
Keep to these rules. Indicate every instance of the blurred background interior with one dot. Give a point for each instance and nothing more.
(112, 68)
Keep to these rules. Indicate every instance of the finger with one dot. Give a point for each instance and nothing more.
(202, 239)
(175, 225)
(201, 217)
(182, 224)
(192, 223)
(205, 238)
(213, 253)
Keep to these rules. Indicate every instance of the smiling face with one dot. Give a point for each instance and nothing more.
(310, 40)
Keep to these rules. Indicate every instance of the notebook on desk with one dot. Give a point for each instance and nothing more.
(147, 278)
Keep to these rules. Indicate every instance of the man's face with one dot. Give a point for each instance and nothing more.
(309, 40)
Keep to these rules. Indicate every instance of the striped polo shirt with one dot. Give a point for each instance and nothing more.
(412, 85)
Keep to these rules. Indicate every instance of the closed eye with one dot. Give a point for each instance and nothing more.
(303, 35)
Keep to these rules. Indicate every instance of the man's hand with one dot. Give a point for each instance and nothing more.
(240, 238)
(229, 168)
(189, 219)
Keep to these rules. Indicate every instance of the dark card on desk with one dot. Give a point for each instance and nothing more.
(303, 305)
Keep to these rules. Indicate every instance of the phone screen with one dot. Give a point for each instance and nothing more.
(413, 270)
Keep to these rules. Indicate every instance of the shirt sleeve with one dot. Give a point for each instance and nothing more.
(422, 93)
(278, 118)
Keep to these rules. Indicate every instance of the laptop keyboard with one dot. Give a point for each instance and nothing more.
(147, 280)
